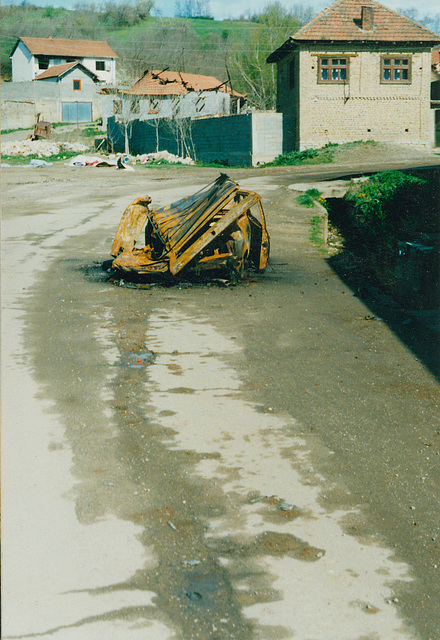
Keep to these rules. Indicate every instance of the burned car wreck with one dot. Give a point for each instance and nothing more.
(221, 227)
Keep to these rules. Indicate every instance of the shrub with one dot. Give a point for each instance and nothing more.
(387, 206)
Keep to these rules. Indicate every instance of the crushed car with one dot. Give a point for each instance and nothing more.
(221, 227)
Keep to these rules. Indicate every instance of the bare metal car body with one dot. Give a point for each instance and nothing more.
(219, 227)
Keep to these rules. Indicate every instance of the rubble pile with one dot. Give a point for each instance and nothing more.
(40, 148)
(166, 156)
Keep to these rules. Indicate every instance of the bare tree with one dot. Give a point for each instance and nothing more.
(192, 9)
(273, 26)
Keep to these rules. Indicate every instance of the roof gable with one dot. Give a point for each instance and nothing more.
(175, 83)
(67, 47)
(360, 21)
(59, 70)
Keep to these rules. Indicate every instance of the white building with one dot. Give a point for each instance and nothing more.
(173, 94)
(31, 56)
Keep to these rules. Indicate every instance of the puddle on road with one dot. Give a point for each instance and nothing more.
(308, 579)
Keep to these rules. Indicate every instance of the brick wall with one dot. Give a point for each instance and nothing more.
(362, 108)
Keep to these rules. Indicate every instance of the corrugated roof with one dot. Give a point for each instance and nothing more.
(68, 47)
(342, 22)
(157, 83)
(58, 70)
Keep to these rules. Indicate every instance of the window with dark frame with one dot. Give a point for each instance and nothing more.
(77, 85)
(100, 65)
(43, 62)
(332, 70)
(395, 69)
(292, 74)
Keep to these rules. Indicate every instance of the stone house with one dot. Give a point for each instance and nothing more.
(357, 71)
(31, 56)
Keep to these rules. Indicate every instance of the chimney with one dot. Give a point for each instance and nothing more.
(367, 18)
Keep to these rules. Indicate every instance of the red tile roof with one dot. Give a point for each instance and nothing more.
(68, 47)
(342, 22)
(58, 70)
(157, 83)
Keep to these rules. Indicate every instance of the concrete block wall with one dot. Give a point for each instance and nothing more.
(243, 140)
(267, 137)
(13, 111)
(225, 140)
(46, 98)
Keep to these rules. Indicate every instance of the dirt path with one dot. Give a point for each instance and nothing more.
(255, 461)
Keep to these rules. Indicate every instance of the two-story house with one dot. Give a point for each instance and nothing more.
(31, 56)
(357, 71)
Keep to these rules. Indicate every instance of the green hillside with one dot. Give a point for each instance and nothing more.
(231, 50)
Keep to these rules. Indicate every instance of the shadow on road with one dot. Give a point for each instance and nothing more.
(415, 332)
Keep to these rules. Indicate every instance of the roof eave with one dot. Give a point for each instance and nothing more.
(277, 55)
(353, 41)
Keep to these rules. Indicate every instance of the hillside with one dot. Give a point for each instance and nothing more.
(233, 50)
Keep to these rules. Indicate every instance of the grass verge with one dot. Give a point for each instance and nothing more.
(15, 161)
(324, 155)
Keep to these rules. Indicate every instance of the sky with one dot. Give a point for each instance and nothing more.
(224, 9)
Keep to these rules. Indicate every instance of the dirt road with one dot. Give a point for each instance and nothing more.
(253, 461)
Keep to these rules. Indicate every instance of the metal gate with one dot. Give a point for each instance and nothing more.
(77, 111)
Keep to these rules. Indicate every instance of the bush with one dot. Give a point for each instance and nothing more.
(387, 207)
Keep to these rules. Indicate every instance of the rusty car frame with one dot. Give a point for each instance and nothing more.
(221, 227)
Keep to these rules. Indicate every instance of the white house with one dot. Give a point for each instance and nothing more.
(31, 56)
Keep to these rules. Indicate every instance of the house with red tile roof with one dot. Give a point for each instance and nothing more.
(169, 94)
(356, 71)
(31, 56)
(76, 98)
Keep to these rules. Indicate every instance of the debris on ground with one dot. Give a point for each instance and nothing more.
(40, 148)
(164, 156)
(221, 227)
(99, 161)
(39, 163)
(42, 129)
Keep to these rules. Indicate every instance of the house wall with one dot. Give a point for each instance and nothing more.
(243, 140)
(191, 105)
(46, 98)
(108, 75)
(363, 108)
(25, 66)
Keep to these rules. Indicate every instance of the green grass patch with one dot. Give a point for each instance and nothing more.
(91, 132)
(308, 156)
(324, 155)
(25, 160)
(316, 233)
(388, 204)
(308, 198)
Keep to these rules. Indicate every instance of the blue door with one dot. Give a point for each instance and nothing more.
(77, 111)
